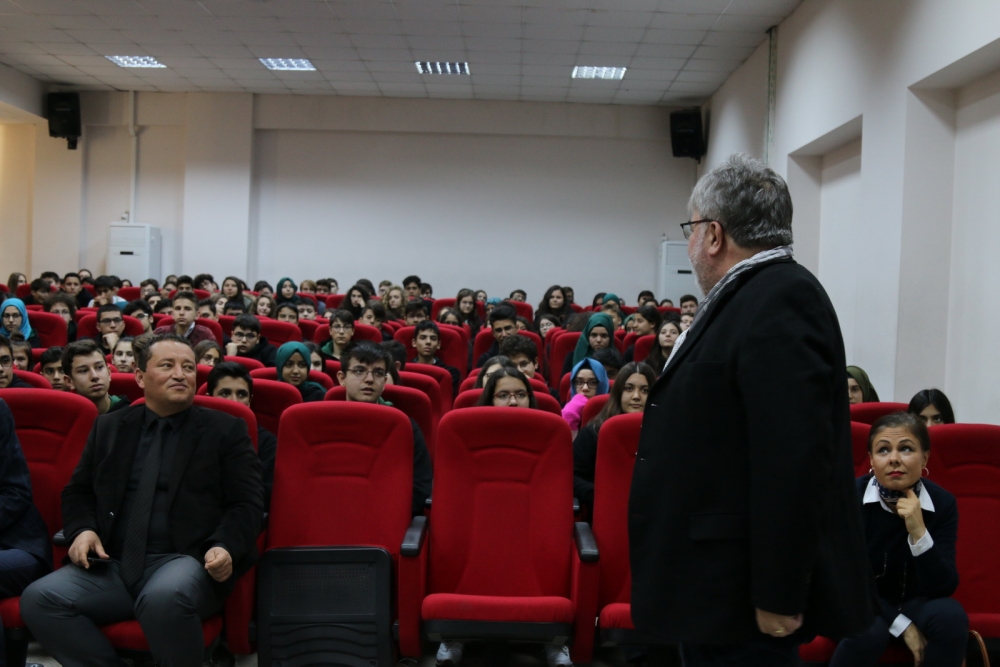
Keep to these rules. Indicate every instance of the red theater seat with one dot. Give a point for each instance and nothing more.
(311, 297)
(308, 328)
(331, 368)
(427, 385)
(226, 322)
(34, 379)
(454, 350)
(523, 309)
(593, 408)
(439, 375)
(412, 402)
(510, 476)
(469, 399)
(130, 293)
(279, 333)
(859, 447)
(643, 346)
(270, 400)
(318, 377)
(51, 328)
(246, 362)
(333, 301)
(233, 408)
(124, 384)
(200, 293)
(564, 344)
(869, 413)
(214, 326)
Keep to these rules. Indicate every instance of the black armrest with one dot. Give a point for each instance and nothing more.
(427, 502)
(59, 539)
(586, 544)
(576, 505)
(415, 536)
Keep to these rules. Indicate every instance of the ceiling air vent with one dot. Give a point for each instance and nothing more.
(443, 68)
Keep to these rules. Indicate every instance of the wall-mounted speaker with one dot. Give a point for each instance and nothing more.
(63, 111)
(687, 138)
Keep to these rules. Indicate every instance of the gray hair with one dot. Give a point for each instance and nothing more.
(748, 199)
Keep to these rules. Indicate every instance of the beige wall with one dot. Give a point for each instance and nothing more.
(17, 154)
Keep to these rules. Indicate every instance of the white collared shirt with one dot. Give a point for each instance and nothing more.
(916, 548)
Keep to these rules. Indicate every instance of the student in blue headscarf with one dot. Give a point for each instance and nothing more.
(588, 379)
(293, 361)
(15, 320)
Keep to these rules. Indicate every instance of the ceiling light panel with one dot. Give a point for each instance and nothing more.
(442, 68)
(136, 61)
(612, 73)
(288, 64)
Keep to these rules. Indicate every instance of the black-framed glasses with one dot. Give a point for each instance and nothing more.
(360, 372)
(111, 322)
(582, 383)
(687, 227)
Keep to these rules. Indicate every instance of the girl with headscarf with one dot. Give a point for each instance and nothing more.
(612, 298)
(590, 340)
(14, 319)
(588, 379)
(293, 362)
(284, 292)
(859, 387)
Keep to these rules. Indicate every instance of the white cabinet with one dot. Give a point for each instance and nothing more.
(134, 251)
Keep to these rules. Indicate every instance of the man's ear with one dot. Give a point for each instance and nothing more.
(715, 239)
(413, 342)
(340, 378)
(139, 378)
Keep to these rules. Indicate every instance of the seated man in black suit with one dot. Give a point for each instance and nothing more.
(163, 512)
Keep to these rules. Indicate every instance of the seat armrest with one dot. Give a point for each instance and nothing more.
(413, 540)
(59, 539)
(576, 506)
(586, 544)
(427, 502)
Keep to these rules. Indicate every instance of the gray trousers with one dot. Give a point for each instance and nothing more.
(65, 609)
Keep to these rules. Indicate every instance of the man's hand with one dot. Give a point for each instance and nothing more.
(916, 642)
(909, 510)
(85, 543)
(219, 564)
(777, 625)
(232, 349)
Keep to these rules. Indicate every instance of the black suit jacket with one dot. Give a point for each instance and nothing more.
(743, 491)
(215, 485)
(21, 526)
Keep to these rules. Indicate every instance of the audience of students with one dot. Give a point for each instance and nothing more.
(185, 313)
(597, 334)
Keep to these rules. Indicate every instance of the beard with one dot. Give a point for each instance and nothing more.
(702, 269)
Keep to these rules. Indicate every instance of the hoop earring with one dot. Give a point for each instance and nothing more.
(927, 473)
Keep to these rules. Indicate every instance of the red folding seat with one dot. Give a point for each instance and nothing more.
(308, 329)
(564, 388)
(158, 318)
(469, 399)
(200, 293)
(576, 308)
(246, 362)
(202, 371)
(89, 289)
(628, 310)
(668, 309)
(629, 340)
(3, 288)
(523, 309)
(412, 402)
(331, 368)
(270, 400)
(643, 346)
(869, 413)
(620, 335)
(484, 341)
(426, 384)
(52, 428)
(454, 351)
(564, 344)
(438, 375)
(34, 307)
(311, 297)
(392, 326)
(130, 293)
(859, 446)
(82, 313)
(518, 575)
(318, 377)
(364, 469)
(23, 291)
(205, 322)
(278, 333)
(34, 379)
(124, 384)
(87, 327)
(226, 322)
(593, 408)
(333, 301)
(51, 328)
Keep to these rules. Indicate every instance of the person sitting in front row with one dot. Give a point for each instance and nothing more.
(363, 372)
(247, 341)
(185, 313)
(86, 370)
(911, 525)
(427, 342)
(293, 362)
(51, 363)
(162, 513)
(231, 381)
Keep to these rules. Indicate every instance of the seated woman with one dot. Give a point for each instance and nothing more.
(122, 356)
(859, 387)
(589, 379)
(508, 388)
(208, 353)
(293, 361)
(597, 333)
(667, 334)
(932, 406)
(647, 321)
(64, 306)
(264, 306)
(628, 395)
(395, 303)
(492, 365)
(315, 356)
(263, 287)
(356, 300)
(285, 292)
(14, 319)
(449, 316)
(232, 288)
(911, 525)
(546, 322)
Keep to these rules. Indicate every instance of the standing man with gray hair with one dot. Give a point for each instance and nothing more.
(746, 540)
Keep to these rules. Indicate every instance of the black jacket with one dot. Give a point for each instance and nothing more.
(263, 352)
(899, 575)
(423, 474)
(311, 392)
(488, 354)
(217, 496)
(743, 493)
(584, 464)
(21, 526)
(267, 449)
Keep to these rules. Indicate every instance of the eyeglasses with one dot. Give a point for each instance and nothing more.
(581, 383)
(6, 362)
(360, 372)
(340, 328)
(114, 322)
(140, 315)
(687, 227)
(505, 396)
(244, 336)
(12, 316)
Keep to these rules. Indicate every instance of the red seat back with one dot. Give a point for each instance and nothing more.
(469, 399)
(564, 344)
(331, 367)
(53, 427)
(564, 384)
(484, 341)
(859, 447)
(226, 322)
(124, 384)
(427, 385)
(454, 351)
(412, 402)
(523, 309)
(3, 288)
(270, 400)
(361, 332)
(130, 293)
(233, 408)
(51, 328)
(200, 293)
(643, 346)
(965, 460)
(34, 379)
(334, 300)
(82, 313)
(246, 362)
(87, 327)
(442, 377)
(363, 468)
(617, 444)
(513, 474)
(869, 413)
(279, 333)
(308, 328)
(311, 297)
(593, 408)
(319, 377)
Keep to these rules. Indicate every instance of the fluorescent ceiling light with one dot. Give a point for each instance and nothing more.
(288, 64)
(442, 68)
(580, 72)
(135, 61)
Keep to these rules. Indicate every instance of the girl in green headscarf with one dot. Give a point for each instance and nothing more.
(612, 298)
(599, 333)
(859, 387)
(293, 361)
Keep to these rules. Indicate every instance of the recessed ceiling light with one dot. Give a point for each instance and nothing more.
(288, 64)
(443, 68)
(598, 72)
(135, 61)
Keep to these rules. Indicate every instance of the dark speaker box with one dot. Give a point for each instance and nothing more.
(64, 115)
(686, 135)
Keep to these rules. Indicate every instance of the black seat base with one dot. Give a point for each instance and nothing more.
(471, 630)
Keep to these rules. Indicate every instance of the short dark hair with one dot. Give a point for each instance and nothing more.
(184, 280)
(514, 345)
(426, 287)
(345, 317)
(365, 352)
(138, 304)
(104, 282)
(189, 296)
(415, 306)
(502, 312)
(202, 277)
(288, 305)
(60, 297)
(108, 308)
(378, 309)
(209, 303)
(150, 281)
(367, 284)
(50, 275)
(427, 325)
(910, 422)
(39, 284)
(79, 348)
(650, 313)
(519, 291)
(688, 297)
(644, 293)
(71, 274)
(237, 304)
(409, 280)
(248, 322)
(608, 356)
(397, 350)
(144, 351)
(229, 369)
(163, 305)
(261, 284)
(934, 397)
(51, 356)
(486, 398)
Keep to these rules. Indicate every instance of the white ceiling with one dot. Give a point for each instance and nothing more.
(677, 51)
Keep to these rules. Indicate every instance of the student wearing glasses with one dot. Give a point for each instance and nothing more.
(15, 320)
(341, 333)
(7, 378)
(247, 341)
(589, 379)
(110, 327)
(508, 388)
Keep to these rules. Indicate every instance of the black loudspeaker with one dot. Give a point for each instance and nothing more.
(64, 116)
(686, 135)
